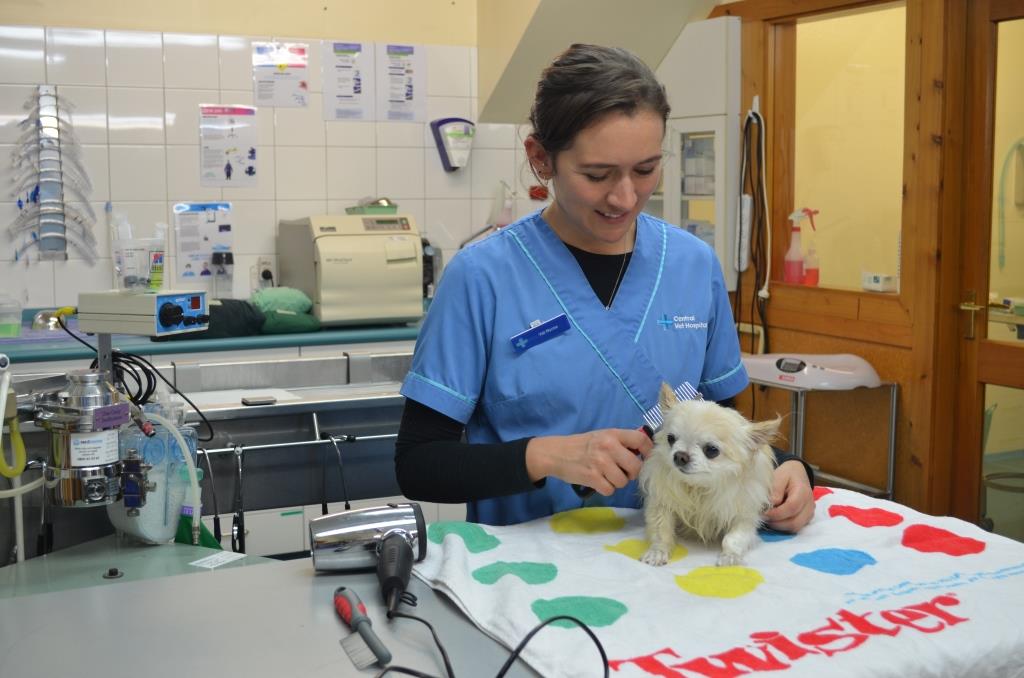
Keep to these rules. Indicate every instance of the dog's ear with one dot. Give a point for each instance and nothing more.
(764, 432)
(667, 399)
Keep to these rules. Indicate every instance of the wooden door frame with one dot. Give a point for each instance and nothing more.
(977, 367)
(923, 318)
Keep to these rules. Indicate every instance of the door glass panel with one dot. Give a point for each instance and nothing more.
(1002, 469)
(848, 161)
(1006, 269)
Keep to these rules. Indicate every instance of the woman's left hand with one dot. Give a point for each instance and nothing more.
(792, 498)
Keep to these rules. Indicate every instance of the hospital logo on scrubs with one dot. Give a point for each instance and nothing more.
(681, 322)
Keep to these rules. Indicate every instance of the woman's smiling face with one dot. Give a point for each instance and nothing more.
(603, 180)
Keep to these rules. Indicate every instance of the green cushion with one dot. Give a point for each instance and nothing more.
(281, 298)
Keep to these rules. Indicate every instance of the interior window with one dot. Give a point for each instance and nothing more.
(848, 163)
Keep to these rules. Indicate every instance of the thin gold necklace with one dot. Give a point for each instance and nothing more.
(618, 280)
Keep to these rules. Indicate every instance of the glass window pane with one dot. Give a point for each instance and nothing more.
(1006, 270)
(848, 161)
(1002, 490)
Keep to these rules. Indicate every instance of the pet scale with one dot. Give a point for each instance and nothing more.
(801, 373)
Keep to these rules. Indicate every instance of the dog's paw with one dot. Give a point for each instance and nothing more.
(656, 556)
(729, 559)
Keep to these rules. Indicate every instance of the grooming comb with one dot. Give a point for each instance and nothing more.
(363, 646)
(652, 422)
(684, 391)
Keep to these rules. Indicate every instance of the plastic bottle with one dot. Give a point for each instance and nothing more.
(793, 264)
(811, 267)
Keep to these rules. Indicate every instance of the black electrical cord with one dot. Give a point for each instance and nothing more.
(511, 658)
(137, 367)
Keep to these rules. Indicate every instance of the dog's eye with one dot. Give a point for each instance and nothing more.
(671, 439)
(710, 451)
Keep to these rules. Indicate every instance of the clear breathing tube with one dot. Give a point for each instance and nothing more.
(193, 476)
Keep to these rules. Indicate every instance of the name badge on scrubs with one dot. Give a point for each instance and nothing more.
(539, 333)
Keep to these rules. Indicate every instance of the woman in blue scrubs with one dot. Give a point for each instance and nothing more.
(547, 342)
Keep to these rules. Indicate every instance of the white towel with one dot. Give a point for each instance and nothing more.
(869, 588)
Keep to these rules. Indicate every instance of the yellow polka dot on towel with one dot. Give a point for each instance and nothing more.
(587, 521)
(720, 582)
(634, 548)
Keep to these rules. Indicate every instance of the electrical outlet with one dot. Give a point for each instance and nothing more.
(266, 273)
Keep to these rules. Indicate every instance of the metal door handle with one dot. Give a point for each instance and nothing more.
(971, 308)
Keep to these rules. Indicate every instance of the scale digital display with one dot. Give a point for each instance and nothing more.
(396, 224)
(790, 365)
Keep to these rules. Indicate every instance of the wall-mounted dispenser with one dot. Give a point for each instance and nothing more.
(454, 139)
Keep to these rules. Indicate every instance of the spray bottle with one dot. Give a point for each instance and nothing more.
(793, 263)
(811, 270)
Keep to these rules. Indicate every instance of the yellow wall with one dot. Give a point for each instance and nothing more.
(444, 22)
(849, 140)
(1007, 432)
(500, 25)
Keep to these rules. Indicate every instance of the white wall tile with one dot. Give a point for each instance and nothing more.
(351, 173)
(236, 61)
(351, 133)
(181, 113)
(24, 56)
(298, 209)
(95, 162)
(525, 207)
(442, 184)
(135, 115)
(89, 115)
(74, 276)
(138, 173)
(29, 281)
(300, 126)
(480, 214)
(400, 135)
(448, 222)
(12, 111)
(490, 167)
(301, 173)
(449, 107)
(254, 224)
(313, 49)
(264, 114)
(417, 209)
(265, 187)
(449, 71)
(490, 135)
(135, 59)
(400, 173)
(191, 61)
(75, 57)
(183, 180)
(474, 72)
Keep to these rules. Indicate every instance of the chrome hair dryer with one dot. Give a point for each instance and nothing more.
(356, 539)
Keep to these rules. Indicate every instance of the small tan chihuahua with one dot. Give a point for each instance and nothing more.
(709, 474)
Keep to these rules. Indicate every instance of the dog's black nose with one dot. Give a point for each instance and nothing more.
(681, 459)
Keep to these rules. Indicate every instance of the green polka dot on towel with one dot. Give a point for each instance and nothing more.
(590, 610)
(531, 573)
(474, 536)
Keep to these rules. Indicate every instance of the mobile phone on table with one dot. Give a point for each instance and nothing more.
(259, 400)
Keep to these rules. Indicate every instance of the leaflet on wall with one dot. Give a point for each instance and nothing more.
(204, 240)
(401, 83)
(348, 80)
(227, 145)
(280, 74)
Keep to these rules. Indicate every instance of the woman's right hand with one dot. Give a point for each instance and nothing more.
(605, 460)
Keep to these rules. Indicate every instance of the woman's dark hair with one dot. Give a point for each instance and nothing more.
(586, 82)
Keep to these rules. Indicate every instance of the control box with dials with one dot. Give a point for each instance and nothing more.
(150, 315)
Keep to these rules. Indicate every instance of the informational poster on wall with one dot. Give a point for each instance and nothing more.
(401, 83)
(280, 74)
(204, 240)
(348, 70)
(227, 145)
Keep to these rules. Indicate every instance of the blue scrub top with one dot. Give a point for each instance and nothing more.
(669, 322)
